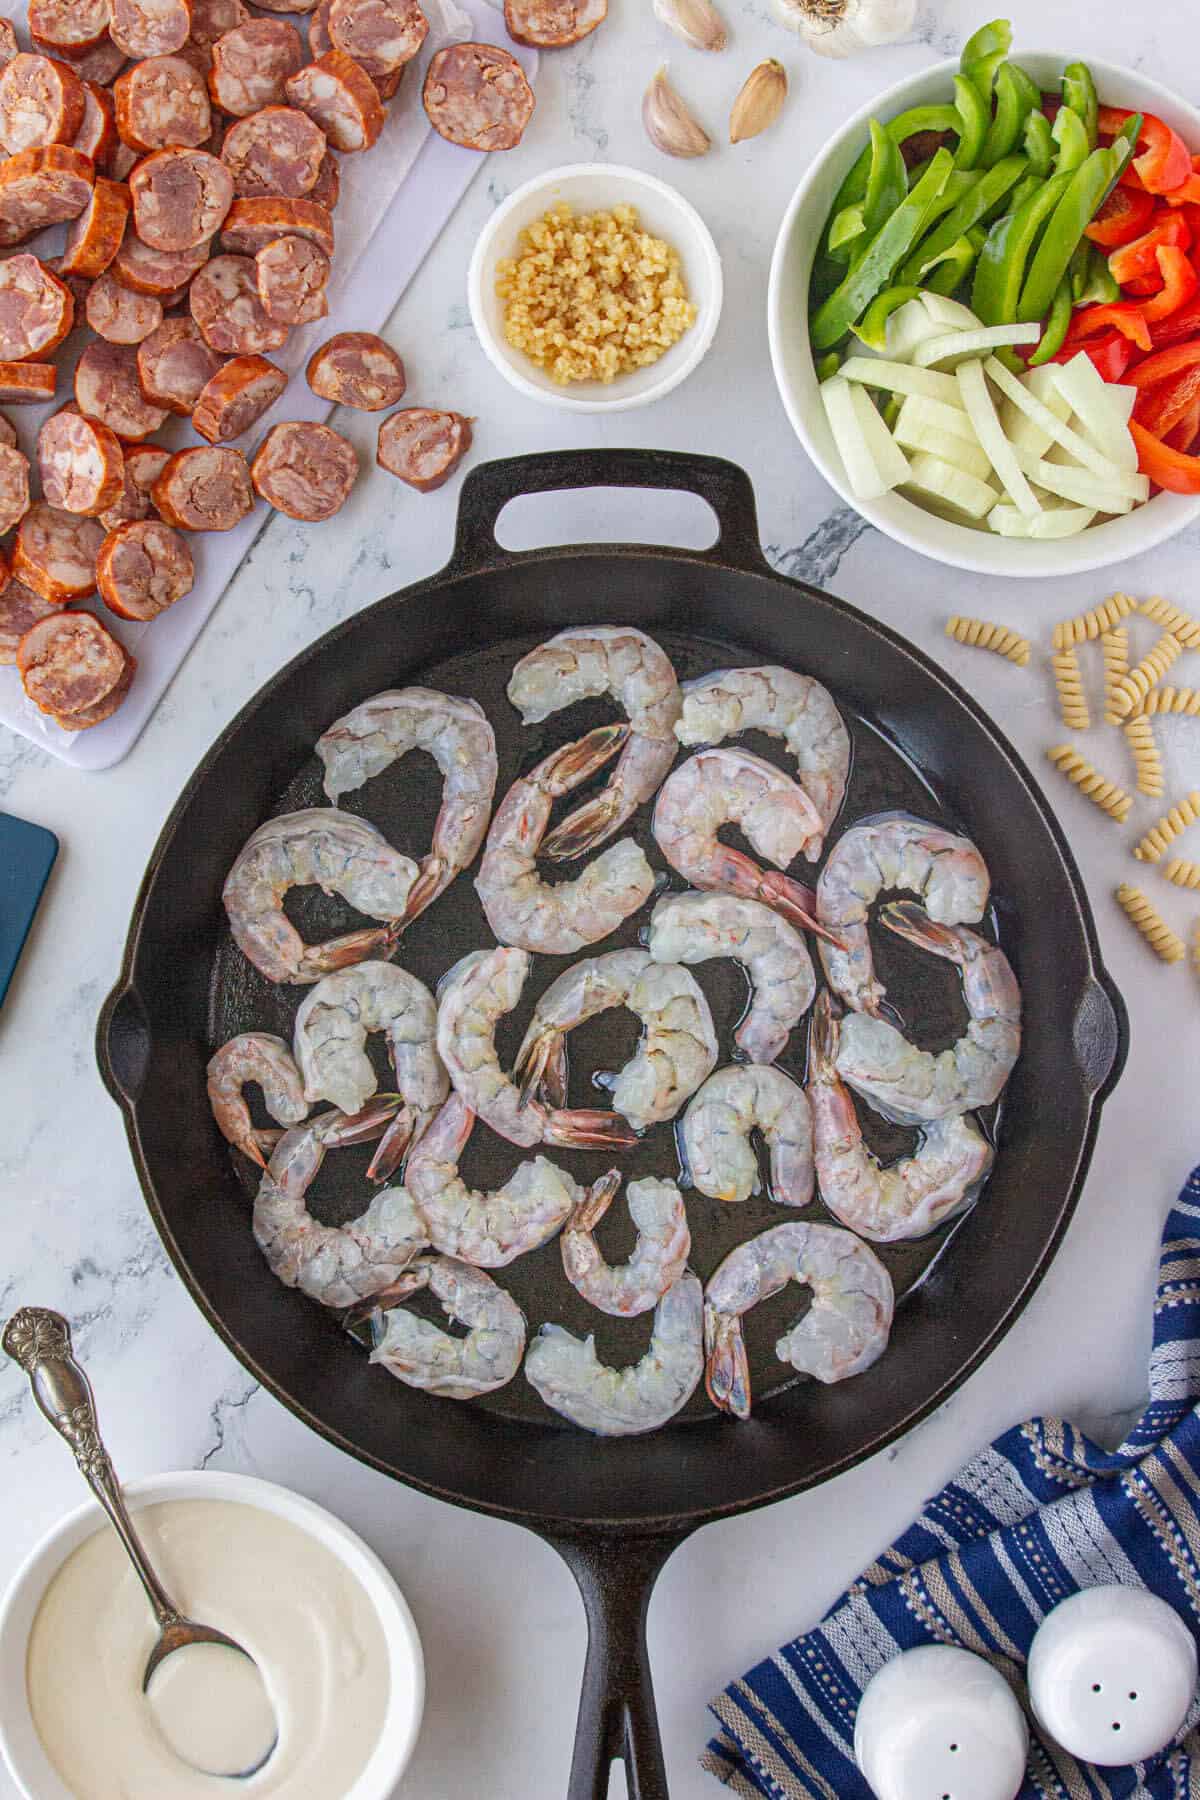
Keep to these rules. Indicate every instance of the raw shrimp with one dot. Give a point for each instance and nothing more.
(521, 909)
(331, 1031)
(844, 1331)
(912, 1086)
(783, 704)
(716, 1135)
(318, 847)
(693, 928)
(487, 1230)
(677, 1052)
(457, 735)
(659, 1256)
(623, 662)
(911, 1197)
(893, 851)
(731, 787)
(424, 1356)
(472, 998)
(570, 1377)
(335, 1264)
(254, 1056)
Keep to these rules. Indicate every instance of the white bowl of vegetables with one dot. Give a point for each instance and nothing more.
(949, 443)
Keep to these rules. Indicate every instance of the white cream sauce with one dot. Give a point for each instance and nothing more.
(290, 1601)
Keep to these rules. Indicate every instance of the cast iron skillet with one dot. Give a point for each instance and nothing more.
(615, 1509)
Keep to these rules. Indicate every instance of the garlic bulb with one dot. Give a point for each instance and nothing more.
(759, 102)
(697, 22)
(840, 27)
(670, 127)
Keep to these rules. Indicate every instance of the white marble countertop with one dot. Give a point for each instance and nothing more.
(502, 1627)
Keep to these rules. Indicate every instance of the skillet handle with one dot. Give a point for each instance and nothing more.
(1100, 1034)
(488, 489)
(618, 1720)
(123, 1044)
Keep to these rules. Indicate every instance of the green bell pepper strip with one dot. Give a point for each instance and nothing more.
(891, 411)
(1057, 325)
(1070, 134)
(974, 119)
(1000, 270)
(828, 365)
(983, 53)
(902, 127)
(887, 183)
(1079, 93)
(845, 230)
(984, 192)
(874, 268)
(1039, 144)
(952, 267)
(1010, 359)
(1092, 281)
(1085, 193)
(1016, 98)
(873, 330)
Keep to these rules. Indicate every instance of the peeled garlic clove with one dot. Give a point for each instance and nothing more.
(758, 104)
(670, 127)
(840, 27)
(697, 22)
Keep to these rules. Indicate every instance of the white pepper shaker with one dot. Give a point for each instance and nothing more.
(937, 1723)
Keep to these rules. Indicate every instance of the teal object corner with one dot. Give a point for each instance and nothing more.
(27, 854)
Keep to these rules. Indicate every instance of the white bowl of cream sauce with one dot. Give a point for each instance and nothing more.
(314, 1606)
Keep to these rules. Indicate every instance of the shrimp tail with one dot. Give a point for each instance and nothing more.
(540, 1068)
(340, 953)
(586, 828)
(794, 902)
(912, 923)
(823, 1039)
(362, 1127)
(589, 1130)
(595, 1203)
(566, 768)
(433, 877)
(397, 1140)
(727, 1371)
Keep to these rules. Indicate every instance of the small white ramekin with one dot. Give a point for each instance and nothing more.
(791, 354)
(23, 1752)
(593, 187)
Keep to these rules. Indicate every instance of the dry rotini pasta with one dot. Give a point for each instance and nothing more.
(1147, 763)
(1068, 680)
(1173, 619)
(981, 634)
(1165, 830)
(1086, 627)
(1130, 692)
(1172, 700)
(1182, 873)
(1102, 793)
(1150, 922)
(1114, 648)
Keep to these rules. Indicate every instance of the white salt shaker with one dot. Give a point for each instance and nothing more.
(940, 1724)
(1112, 1672)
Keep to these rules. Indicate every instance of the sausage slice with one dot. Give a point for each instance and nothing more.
(356, 368)
(236, 398)
(101, 65)
(97, 135)
(41, 103)
(150, 27)
(69, 663)
(423, 447)
(341, 98)
(95, 236)
(55, 553)
(87, 716)
(80, 463)
(8, 433)
(14, 485)
(161, 102)
(381, 35)
(27, 383)
(174, 364)
(180, 198)
(119, 316)
(251, 65)
(477, 95)
(143, 568)
(550, 24)
(305, 470)
(225, 305)
(326, 188)
(20, 610)
(36, 309)
(204, 490)
(43, 187)
(107, 388)
(211, 19)
(144, 463)
(277, 151)
(144, 270)
(249, 224)
(68, 28)
(292, 276)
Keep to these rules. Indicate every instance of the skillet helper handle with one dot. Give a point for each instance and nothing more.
(488, 489)
(618, 1720)
(1100, 1034)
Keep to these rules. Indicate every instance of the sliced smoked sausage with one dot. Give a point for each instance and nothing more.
(9, 46)
(36, 309)
(249, 224)
(225, 305)
(41, 103)
(277, 151)
(381, 35)
(423, 447)
(551, 24)
(174, 365)
(180, 198)
(211, 19)
(107, 388)
(326, 188)
(144, 464)
(150, 27)
(305, 470)
(251, 65)
(292, 277)
(163, 273)
(68, 28)
(69, 663)
(80, 463)
(477, 95)
(20, 610)
(341, 98)
(163, 102)
(120, 316)
(55, 553)
(97, 135)
(356, 368)
(143, 567)
(87, 716)
(43, 187)
(8, 435)
(27, 383)
(95, 236)
(204, 490)
(101, 65)
(236, 398)
(14, 486)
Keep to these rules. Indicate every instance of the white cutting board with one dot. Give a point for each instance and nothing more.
(400, 194)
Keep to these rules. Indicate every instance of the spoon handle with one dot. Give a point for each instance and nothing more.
(40, 1340)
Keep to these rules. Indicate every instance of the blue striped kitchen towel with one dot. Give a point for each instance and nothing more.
(1038, 1515)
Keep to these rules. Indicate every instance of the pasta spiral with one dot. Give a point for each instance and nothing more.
(1072, 701)
(1183, 874)
(1085, 627)
(1172, 700)
(1102, 793)
(1150, 922)
(1173, 619)
(1114, 647)
(1131, 690)
(981, 634)
(1147, 763)
(1168, 828)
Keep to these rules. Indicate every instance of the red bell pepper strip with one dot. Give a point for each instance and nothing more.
(1161, 407)
(1180, 285)
(1110, 353)
(1165, 162)
(1125, 215)
(1188, 192)
(1163, 364)
(1178, 327)
(1138, 259)
(1143, 287)
(1167, 468)
(1124, 316)
(1183, 435)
